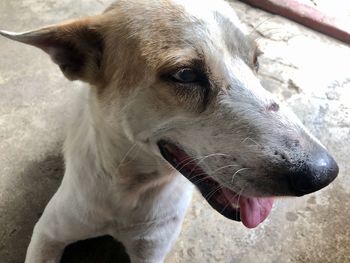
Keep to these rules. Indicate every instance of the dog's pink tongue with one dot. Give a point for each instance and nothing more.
(254, 210)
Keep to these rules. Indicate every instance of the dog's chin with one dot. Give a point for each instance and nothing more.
(250, 210)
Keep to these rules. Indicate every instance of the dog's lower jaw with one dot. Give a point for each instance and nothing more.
(117, 196)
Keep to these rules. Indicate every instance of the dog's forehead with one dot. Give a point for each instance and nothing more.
(209, 10)
(216, 21)
(171, 29)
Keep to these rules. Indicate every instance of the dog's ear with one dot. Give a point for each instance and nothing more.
(75, 46)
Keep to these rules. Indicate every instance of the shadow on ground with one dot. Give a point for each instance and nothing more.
(103, 250)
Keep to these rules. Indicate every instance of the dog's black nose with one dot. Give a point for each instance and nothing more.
(320, 170)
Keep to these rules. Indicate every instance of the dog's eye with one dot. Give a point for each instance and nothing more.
(185, 75)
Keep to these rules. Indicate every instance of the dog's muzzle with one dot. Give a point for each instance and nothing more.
(250, 210)
(291, 178)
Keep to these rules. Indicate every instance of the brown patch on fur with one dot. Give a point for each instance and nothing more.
(82, 49)
(133, 43)
(75, 46)
(138, 51)
(129, 46)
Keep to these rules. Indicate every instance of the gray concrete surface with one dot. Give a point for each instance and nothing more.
(307, 70)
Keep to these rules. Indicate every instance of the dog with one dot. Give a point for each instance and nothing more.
(172, 103)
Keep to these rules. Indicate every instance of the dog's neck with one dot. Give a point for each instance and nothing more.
(100, 149)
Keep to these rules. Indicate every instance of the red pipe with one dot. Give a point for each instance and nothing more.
(305, 15)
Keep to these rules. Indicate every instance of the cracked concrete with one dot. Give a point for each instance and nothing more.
(307, 70)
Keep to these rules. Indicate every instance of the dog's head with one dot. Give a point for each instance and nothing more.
(179, 77)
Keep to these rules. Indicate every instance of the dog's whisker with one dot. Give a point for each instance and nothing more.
(191, 160)
(125, 156)
(239, 196)
(211, 175)
(252, 140)
(229, 202)
(201, 179)
(212, 193)
(237, 172)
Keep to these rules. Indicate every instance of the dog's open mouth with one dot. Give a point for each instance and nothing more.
(250, 210)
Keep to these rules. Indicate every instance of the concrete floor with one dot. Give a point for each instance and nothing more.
(307, 70)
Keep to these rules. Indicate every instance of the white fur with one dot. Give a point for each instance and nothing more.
(92, 202)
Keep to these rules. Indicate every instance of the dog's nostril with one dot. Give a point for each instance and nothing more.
(282, 155)
(320, 171)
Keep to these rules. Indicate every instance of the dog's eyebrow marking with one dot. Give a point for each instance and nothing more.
(173, 62)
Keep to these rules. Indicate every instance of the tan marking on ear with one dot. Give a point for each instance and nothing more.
(75, 46)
